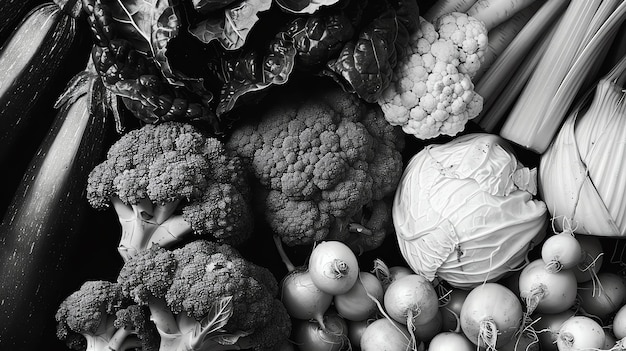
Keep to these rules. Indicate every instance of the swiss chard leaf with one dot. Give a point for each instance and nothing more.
(204, 6)
(252, 73)
(304, 6)
(149, 25)
(231, 26)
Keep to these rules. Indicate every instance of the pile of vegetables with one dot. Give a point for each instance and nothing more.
(276, 175)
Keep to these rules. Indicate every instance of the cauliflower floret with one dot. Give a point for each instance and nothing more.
(432, 92)
(468, 34)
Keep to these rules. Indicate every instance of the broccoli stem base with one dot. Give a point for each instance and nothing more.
(145, 224)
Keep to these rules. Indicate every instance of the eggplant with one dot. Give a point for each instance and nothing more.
(46, 232)
(36, 61)
(11, 12)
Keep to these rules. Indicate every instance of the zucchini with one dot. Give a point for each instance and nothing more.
(33, 70)
(44, 229)
(11, 12)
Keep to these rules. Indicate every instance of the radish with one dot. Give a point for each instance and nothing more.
(580, 333)
(302, 298)
(355, 331)
(387, 274)
(619, 323)
(311, 336)
(593, 257)
(386, 335)
(603, 297)
(360, 301)
(425, 332)
(526, 341)
(561, 251)
(451, 309)
(448, 341)
(334, 267)
(411, 300)
(546, 292)
(547, 327)
(491, 315)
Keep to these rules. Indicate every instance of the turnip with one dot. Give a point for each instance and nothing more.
(386, 335)
(411, 300)
(547, 327)
(547, 292)
(302, 298)
(426, 331)
(491, 315)
(334, 267)
(360, 302)
(311, 336)
(451, 304)
(355, 332)
(451, 341)
(603, 297)
(580, 333)
(387, 274)
(619, 323)
(593, 257)
(561, 251)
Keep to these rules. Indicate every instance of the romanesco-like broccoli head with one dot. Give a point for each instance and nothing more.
(432, 92)
(322, 157)
(169, 180)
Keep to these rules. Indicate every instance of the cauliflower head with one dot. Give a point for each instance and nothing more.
(432, 92)
(324, 159)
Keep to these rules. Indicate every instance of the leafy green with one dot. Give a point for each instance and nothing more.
(304, 6)
(231, 26)
(149, 25)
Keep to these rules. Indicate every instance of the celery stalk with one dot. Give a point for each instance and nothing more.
(545, 100)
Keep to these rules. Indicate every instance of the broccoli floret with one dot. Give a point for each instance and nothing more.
(168, 180)
(98, 317)
(205, 295)
(324, 158)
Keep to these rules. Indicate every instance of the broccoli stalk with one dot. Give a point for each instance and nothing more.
(145, 224)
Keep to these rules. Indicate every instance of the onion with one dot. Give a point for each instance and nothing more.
(386, 335)
(302, 298)
(311, 336)
(547, 327)
(359, 302)
(355, 332)
(592, 260)
(451, 309)
(547, 292)
(411, 300)
(450, 341)
(603, 297)
(491, 315)
(580, 333)
(619, 323)
(561, 251)
(334, 267)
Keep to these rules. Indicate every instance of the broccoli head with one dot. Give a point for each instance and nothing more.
(326, 162)
(97, 317)
(205, 295)
(168, 180)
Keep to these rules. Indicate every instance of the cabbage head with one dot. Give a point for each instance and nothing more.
(465, 211)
